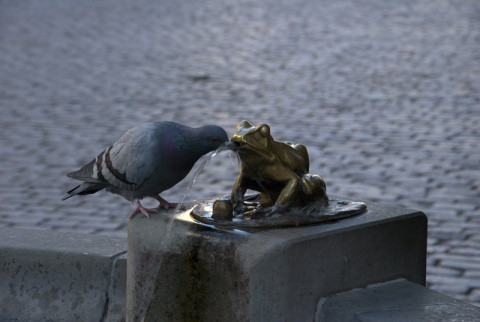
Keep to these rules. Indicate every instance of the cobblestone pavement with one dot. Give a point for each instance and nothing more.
(385, 94)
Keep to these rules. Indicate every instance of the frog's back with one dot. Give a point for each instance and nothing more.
(294, 155)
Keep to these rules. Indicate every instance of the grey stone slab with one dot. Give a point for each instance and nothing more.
(182, 270)
(53, 276)
(394, 301)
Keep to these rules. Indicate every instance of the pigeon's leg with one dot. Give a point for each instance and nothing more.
(140, 208)
(164, 203)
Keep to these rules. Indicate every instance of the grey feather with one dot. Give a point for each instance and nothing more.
(147, 160)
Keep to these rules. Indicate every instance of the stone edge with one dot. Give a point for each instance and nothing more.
(90, 269)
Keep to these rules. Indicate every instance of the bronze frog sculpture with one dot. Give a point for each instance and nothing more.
(288, 194)
(278, 170)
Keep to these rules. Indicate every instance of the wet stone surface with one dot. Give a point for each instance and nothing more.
(386, 96)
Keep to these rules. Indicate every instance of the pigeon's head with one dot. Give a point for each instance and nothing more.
(211, 137)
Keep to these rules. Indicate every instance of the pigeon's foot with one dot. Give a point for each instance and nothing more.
(163, 203)
(142, 209)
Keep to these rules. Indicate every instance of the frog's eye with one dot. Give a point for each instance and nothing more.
(244, 125)
(265, 130)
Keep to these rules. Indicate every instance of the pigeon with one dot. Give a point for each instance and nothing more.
(147, 160)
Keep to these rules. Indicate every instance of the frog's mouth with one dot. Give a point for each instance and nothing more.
(237, 145)
(240, 146)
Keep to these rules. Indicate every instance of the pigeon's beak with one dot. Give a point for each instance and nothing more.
(231, 145)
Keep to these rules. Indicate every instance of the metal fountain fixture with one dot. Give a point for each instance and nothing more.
(287, 194)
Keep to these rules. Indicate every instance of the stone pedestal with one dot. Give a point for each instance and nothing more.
(209, 274)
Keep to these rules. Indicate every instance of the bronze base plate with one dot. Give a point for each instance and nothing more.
(337, 209)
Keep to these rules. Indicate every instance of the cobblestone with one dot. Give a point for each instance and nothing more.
(443, 271)
(386, 96)
(464, 264)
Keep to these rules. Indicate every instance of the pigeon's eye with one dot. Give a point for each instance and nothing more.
(214, 140)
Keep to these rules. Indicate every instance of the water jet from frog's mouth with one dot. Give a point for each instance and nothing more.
(227, 146)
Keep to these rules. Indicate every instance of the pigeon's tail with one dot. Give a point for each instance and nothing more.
(85, 188)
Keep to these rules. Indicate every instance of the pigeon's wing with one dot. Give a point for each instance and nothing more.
(127, 163)
(132, 159)
(86, 173)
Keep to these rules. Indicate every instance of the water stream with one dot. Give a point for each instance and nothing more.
(154, 263)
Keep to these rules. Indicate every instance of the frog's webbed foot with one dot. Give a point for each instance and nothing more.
(239, 209)
(272, 210)
(266, 212)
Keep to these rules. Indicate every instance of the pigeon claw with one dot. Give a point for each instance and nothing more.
(163, 203)
(141, 209)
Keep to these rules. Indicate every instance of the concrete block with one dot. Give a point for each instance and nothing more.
(398, 300)
(213, 274)
(47, 276)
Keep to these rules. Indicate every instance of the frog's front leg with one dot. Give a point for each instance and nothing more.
(238, 192)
